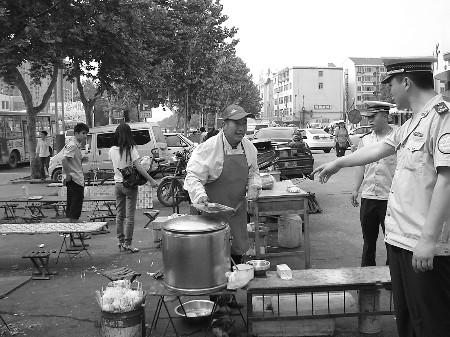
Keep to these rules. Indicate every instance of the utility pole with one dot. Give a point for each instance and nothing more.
(61, 85)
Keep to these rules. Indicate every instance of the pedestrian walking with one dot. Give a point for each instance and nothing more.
(124, 153)
(73, 171)
(374, 180)
(43, 153)
(341, 139)
(418, 247)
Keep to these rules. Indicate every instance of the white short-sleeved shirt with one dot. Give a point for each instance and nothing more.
(73, 150)
(121, 162)
(423, 145)
(377, 175)
(42, 148)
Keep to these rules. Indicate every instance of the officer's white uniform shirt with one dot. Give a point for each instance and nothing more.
(423, 145)
(377, 175)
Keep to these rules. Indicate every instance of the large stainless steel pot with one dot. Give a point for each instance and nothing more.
(196, 254)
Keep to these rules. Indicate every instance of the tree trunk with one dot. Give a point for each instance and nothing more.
(32, 111)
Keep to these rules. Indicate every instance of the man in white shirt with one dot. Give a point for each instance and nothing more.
(374, 179)
(224, 169)
(43, 153)
(418, 208)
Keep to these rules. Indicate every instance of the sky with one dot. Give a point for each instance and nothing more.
(280, 33)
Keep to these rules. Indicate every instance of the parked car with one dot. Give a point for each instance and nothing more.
(100, 139)
(279, 134)
(318, 139)
(177, 142)
(292, 162)
(356, 134)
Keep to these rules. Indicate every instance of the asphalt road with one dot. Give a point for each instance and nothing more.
(66, 306)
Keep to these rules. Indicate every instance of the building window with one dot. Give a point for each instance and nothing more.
(320, 85)
(320, 73)
(358, 98)
(290, 98)
(368, 69)
(359, 78)
(358, 88)
(290, 85)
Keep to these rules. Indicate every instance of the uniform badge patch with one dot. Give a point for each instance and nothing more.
(418, 134)
(444, 143)
(441, 108)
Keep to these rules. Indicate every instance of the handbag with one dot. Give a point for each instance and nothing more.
(132, 177)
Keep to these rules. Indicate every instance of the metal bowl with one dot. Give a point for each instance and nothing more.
(259, 264)
(195, 309)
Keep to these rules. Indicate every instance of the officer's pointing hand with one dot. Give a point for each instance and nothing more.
(326, 171)
(423, 255)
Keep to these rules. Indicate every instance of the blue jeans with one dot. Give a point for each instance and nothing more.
(126, 199)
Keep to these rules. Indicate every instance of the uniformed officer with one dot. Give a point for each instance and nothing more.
(418, 203)
(374, 180)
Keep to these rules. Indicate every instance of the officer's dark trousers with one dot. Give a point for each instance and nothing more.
(371, 214)
(421, 300)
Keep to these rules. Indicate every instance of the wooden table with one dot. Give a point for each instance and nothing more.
(35, 205)
(67, 229)
(278, 201)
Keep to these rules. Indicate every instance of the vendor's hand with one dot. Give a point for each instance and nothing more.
(326, 171)
(423, 254)
(354, 199)
(203, 200)
(253, 193)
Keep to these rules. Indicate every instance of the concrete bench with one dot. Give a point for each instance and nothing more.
(274, 304)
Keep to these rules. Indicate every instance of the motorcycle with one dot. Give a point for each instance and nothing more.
(170, 185)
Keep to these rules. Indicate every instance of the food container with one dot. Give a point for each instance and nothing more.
(195, 310)
(260, 266)
(196, 254)
(267, 181)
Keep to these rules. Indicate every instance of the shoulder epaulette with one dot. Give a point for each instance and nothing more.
(441, 108)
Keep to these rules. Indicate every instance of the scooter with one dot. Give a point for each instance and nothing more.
(170, 185)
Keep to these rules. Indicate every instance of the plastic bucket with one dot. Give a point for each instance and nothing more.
(369, 301)
(123, 324)
(290, 231)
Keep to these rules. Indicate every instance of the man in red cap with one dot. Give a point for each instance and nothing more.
(418, 209)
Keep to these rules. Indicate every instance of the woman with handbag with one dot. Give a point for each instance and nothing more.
(125, 158)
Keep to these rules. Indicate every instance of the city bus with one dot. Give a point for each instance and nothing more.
(14, 136)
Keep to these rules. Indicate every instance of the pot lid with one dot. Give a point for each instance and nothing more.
(193, 224)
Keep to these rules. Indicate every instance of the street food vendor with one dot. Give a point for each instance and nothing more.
(224, 170)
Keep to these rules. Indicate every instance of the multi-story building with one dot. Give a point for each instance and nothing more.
(442, 86)
(362, 81)
(303, 95)
(265, 87)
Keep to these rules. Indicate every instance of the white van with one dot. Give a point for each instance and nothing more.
(147, 136)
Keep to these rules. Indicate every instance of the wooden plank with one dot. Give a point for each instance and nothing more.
(316, 278)
(304, 327)
(48, 228)
(10, 283)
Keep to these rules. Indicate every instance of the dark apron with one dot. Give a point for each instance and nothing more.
(229, 189)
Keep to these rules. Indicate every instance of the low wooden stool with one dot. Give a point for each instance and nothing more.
(40, 259)
(120, 274)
